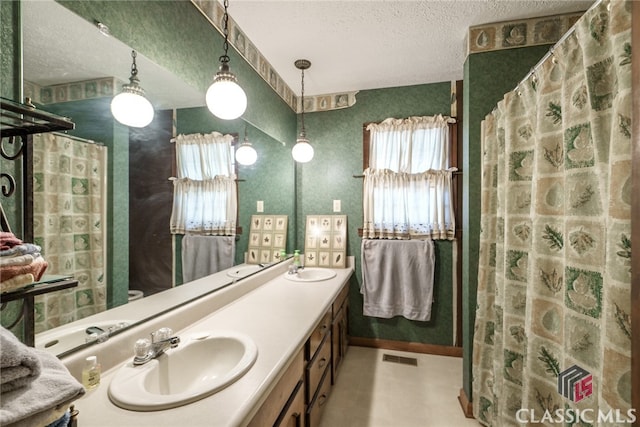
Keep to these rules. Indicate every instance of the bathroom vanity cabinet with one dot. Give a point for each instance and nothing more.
(292, 324)
(299, 397)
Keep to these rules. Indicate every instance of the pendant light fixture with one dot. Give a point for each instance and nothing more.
(302, 152)
(245, 154)
(225, 98)
(130, 107)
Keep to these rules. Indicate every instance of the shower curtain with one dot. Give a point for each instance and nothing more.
(69, 201)
(552, 336)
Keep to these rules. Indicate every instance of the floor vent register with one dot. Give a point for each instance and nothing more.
(400, 359)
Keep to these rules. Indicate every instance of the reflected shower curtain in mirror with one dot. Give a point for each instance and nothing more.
(69, 203)
(554, 269)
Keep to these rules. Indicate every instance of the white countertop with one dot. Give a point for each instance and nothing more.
(278, 315)
(134, 311)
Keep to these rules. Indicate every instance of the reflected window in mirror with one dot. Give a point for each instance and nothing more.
(205, 203)
(205, 193)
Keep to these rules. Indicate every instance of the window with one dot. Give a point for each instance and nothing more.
(408, 179)
(205, 197)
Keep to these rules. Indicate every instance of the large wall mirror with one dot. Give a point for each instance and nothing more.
(72, 69)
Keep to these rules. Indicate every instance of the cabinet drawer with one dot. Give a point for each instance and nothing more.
(314, 412)
(318, 335)
(317, 366)
(293, 414)
(279, 396)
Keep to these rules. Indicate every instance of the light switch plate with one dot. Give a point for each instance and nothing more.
(336, 206)
(260, 206)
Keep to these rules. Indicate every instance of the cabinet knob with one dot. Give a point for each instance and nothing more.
(322, 399)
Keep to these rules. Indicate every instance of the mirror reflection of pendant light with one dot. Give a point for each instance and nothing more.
(302, 152)
(245, 154)
(130, 107)
(225, 98)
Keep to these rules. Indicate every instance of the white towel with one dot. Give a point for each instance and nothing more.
(205, 255)
(397, 278)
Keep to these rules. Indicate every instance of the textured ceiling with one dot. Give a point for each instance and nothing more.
(355, 45)
(352, 45)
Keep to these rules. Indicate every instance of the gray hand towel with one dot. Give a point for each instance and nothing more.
(205, 255)
(19, 364)
(34, 404)
(397, 278)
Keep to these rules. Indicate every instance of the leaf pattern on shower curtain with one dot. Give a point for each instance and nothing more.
(69, 224)
(554, 266)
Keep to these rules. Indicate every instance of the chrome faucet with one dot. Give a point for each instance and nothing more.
(293, 268)
(161, 340)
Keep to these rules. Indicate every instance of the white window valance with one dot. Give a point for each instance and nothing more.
(201, 157)
(411, 145)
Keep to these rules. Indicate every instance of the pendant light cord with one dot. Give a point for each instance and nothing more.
(225, 30)
(302, 98)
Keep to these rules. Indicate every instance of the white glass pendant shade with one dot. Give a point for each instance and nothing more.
(131, 108)
(246, 155)
(302, 152)
(225, 98)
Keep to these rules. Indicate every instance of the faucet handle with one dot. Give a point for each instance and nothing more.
(141, 347)
(162, 334)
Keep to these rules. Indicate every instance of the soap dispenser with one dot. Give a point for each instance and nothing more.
(296, 258)
(91, 373)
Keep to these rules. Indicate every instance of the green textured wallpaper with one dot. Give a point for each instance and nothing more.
(336, 137)
(487, 77)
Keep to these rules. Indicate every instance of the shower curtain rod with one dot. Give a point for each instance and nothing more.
(553, 48)
(77, 138)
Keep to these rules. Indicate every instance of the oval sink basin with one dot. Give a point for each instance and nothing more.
(199, 367)
(240, 271)
(311, 274)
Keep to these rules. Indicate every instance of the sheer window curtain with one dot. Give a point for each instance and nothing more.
(205, 200)
(408, 185)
